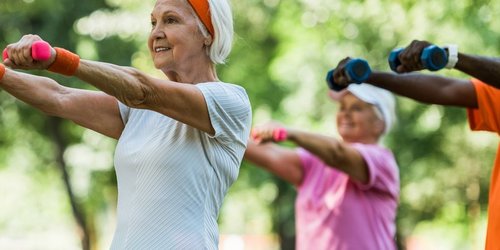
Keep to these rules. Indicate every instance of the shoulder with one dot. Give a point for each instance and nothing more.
(221, 88)
(225, 95)
(375, 154)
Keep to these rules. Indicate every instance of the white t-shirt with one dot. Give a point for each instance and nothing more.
(172, 178)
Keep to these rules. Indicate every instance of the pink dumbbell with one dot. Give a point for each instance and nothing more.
(40, 51)
(279, 134)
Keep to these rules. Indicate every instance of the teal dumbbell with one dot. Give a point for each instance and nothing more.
(433, 58)
(357, 71)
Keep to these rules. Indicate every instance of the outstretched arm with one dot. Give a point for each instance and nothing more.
(283, 162)
(428, 88)
(333, 152)
(480, 67)
(183, 102)
(91, 109)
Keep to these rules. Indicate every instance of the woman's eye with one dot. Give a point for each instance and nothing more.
(356, 108)
(170, 20)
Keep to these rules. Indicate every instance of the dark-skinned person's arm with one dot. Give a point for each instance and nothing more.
(423, 87)
(427, 88)
(480, 67)
(483, 68)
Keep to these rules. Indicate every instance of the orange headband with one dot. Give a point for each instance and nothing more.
(203, 11)
(2, 71)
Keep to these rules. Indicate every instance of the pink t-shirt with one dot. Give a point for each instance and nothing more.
(336, 212)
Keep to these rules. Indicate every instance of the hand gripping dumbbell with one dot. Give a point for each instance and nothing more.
(40, 51)
(357, 71)
(279, 134)
(433, 58)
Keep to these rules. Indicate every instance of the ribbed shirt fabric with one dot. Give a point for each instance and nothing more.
(172, 178)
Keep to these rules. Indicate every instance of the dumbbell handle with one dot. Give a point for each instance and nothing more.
(357, 71)
(40, 51)
(280, 134)
(432, 58)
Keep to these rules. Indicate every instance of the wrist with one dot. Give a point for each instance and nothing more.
(65, 63)
(452, 51)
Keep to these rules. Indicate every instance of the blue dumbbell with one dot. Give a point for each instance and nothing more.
(433, 58)
(357, 71)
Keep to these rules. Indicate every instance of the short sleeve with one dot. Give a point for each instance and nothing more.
(311, 165)
(306, 160)
(229, 110)
(383, 173)
(124, 112)
(486, 116)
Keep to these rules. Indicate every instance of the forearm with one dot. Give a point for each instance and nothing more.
(259, 155)
(482, 68)
(124, 83)
(326, 148)
(427, 88)
(39, 92)
(334, 153)
(282, 162)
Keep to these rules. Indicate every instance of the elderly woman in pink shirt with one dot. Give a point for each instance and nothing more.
(348, 188)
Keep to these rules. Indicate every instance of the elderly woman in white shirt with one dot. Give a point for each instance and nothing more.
(180, 139)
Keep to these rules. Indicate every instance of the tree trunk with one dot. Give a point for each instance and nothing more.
(78, 214)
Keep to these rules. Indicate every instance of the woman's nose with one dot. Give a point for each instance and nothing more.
(157, 33)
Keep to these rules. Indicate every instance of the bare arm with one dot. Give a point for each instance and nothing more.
(183, 102)
(333, 152)
(90, 109)
(480, 67)
(284, 163)
(428, 88)
(431, 88)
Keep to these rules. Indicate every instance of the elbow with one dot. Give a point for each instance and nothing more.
(55, 104)
(334, 154)
(139, 88)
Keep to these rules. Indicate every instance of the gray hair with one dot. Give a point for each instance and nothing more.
(222, 20)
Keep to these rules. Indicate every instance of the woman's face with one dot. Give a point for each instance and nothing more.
(357, 121)
(175, 40)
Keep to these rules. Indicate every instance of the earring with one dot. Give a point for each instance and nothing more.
(208, 41)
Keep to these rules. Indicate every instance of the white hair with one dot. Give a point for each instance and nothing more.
(222, 20)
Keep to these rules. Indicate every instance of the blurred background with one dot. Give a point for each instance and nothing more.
(57, 183)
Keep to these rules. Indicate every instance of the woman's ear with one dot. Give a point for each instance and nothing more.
(380, 127)
(208, 41)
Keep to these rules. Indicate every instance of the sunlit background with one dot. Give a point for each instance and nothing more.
(57, 184)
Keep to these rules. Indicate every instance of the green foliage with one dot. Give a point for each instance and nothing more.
(281, 53)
